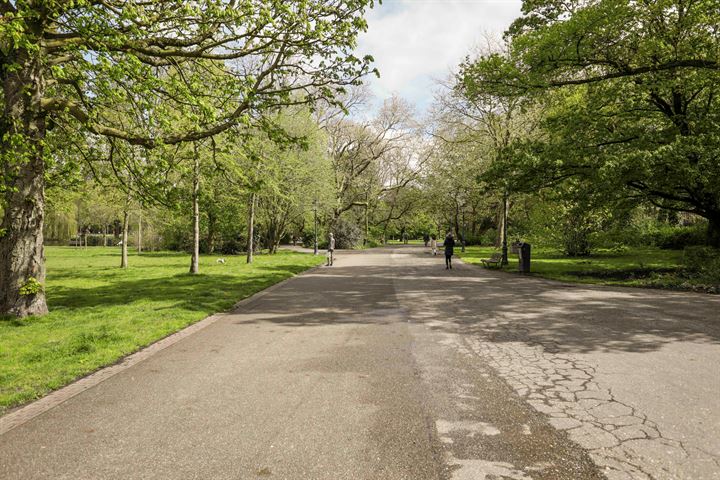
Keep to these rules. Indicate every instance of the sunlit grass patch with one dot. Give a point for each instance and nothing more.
(638, 267)
(99, 312)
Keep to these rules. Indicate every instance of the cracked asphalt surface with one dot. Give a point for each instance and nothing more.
(387, 366)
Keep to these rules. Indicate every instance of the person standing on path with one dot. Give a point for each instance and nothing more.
(426, 239)
(449, 250)
(331, 250)
(433, 244)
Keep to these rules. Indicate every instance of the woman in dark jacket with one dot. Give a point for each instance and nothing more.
(449, 250)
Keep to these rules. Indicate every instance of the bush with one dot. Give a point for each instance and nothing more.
(308, 239)
(471, 239)
(677, 238)
(347, 234)
(232, 246)
(489, 237)
(90, 239)
(702, 261)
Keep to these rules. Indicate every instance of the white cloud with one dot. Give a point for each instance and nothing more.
(415, 41)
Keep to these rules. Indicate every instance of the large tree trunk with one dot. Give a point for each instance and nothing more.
(713, 231)
(22, 262)
(194, 267)
(251, 227)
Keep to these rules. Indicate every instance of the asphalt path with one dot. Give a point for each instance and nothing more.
(387, 366)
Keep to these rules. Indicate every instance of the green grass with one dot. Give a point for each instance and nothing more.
(100, 313)
(637, 267)
(409, 242)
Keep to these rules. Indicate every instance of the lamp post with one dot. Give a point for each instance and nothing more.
(315, 248)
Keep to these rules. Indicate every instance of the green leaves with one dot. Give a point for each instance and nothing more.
(31, 287)
(630, 91)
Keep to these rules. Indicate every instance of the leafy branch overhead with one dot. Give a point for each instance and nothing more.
(246, 55)
(148, 75)
(630, 93)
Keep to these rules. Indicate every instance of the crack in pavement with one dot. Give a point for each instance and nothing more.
(621, 439)
(531, 336)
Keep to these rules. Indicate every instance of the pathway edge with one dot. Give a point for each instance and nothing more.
(37, 407)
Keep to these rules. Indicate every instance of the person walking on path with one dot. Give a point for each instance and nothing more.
(426, 239)
(433, 244)
(449, 250)
(331, 250)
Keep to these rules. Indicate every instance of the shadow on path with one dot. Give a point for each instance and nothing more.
(504, 307)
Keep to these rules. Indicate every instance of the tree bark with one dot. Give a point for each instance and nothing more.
(194, 261)
(251, 227)
(212, 227)
(23, 126)
(713, 231)
(124, 240)
(504, 239)
(139, 235)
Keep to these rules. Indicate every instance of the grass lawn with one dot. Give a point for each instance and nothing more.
(409, 242)
(100, 313)
(639, 267)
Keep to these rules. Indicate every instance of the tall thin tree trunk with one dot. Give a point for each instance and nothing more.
(504, 242)
(78, 230)
(124, 240)
(22, 262)
(367, 218)
(212, 226)
(194, 261)
(251, 227)
(139, 235)
(105, 236)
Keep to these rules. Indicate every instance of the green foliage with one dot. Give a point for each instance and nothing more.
(129, 88)
(347, 234)
(677, 237)
(489, 237)
(629, 93)
(31, 287)
(703, 262)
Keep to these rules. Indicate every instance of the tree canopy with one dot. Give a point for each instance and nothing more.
(631, 95)
(148, 73)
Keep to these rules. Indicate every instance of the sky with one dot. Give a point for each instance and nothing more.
(415, 42)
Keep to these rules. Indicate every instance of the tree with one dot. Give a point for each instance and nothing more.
(633, 96)
(357, 148)
(484, 125)
(296, 174)
(74, 64)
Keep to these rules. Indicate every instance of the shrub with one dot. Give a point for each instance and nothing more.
(471, 239)
(347, 234)
(232, 246)
(677, 238)
(702, 261)
(488, 237)
(576, 242)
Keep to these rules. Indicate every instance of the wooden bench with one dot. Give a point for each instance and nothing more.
(495, 259)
